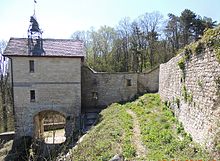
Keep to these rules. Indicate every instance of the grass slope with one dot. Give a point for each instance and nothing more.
(112, 135)
(162, 135)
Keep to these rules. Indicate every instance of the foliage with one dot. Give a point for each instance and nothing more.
(211, 38)
(184, 92)
(199, 48)
(143, 43)
(189, 97)
(181, 64)
(186, 19)
(6, 111)
(199, 82)
(187, 53)
(177, 101)
(217, 82)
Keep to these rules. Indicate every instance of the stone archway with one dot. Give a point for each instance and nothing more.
(49, 126)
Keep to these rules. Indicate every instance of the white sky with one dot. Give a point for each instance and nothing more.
(60, 18)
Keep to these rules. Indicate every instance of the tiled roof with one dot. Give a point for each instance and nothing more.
(52, 47)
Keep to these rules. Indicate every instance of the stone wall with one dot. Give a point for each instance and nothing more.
(57, 85)
(149, 81)
(193, 92)
(101, 89)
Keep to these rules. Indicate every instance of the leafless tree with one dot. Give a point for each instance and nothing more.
(4, 88)
(150, 24)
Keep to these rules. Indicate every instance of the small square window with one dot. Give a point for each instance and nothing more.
(32, 95)
(31, 66)
(128, 82)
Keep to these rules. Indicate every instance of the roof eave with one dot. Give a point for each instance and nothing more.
(44, 56)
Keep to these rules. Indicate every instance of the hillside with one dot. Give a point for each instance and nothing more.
(145, 129)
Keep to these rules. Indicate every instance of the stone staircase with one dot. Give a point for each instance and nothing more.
(89, 118)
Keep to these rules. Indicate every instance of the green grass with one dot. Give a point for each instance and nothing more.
(163, 136)
(111, 136)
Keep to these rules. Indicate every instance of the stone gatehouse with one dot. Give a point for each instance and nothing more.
(45, 83)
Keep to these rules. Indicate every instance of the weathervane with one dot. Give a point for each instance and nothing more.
(34, 5)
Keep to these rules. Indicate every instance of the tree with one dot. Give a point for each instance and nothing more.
(4, 88)
(172, 31)
(186, 21)
(150, 23)
(141, 44)
(124, 35)
(136, 47)
(99, 48)
(200, 24)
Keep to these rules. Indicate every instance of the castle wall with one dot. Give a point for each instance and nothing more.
(148, 82)
(57, 85)
(108, 87)
(101, 89)
(195, 99)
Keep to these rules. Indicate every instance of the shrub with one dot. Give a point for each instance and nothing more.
(184, 93)
(199, 48)
(187, 53)
(181, 64)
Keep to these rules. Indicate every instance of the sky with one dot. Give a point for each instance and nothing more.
(61, 18)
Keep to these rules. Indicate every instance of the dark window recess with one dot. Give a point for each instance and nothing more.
(31, 64)
(95, 95)
(32, 95)
(128, 82)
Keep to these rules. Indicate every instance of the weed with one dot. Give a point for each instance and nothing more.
(190, 98)
(181, 64)
(217, 82)
(187, 53)
(184, 93)
(199, 82)
(177, 102)
(180, 128)
(199, 48)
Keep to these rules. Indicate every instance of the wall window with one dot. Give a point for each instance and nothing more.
(31, 66)
(32, 95)
(128, 82)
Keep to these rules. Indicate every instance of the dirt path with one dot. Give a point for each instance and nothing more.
(141, 150)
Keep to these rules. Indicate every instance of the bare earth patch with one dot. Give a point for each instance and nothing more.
(140, 148)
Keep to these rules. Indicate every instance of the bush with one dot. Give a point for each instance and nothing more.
(181, 64)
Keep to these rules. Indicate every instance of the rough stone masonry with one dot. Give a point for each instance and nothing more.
(190, 82)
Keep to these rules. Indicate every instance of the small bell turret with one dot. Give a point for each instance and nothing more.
(35, 41)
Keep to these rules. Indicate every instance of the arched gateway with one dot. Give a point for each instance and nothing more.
(50, 126)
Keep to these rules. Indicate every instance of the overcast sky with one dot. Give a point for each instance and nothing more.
(60, 18)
